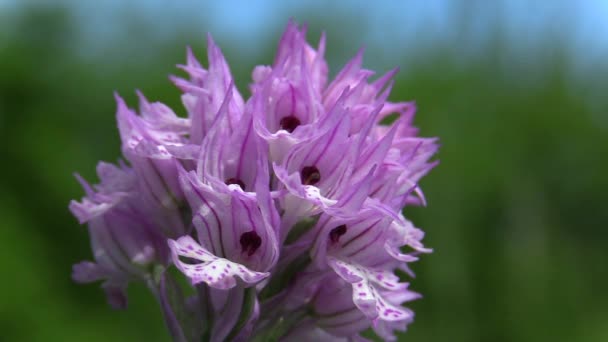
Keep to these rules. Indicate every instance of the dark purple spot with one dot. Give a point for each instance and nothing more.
(335, 233)
(250, 242)
(235, 181)
(310, 175)
(289, 123)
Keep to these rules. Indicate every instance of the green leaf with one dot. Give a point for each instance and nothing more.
(280, 281)
(249, 299)
(301, 228)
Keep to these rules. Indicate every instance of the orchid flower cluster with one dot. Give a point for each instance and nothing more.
(283, 212)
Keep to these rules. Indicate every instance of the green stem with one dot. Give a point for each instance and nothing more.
(170, 300)
(249, 298)
(282, 327)
(207, 311)
(279, 282)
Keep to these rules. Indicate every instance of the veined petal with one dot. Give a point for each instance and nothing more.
(134, 128)
(216, 272)
(316, 170)
(232, 224)
(353, 198)
(348, 323)
(264, 197)
(343, 79)
(334, 306)
(143, 145)
(208, 210)
(114, 178)
(124, 245)
(232, 158)
(115, 185)
(295, 53)
(122, 241)
(207, 90)
(285, 112)
(359, 237)
(374, 154)
(159, 116)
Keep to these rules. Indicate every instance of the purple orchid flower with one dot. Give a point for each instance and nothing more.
(283, 210)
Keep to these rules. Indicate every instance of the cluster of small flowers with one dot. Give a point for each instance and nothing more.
(283, 211)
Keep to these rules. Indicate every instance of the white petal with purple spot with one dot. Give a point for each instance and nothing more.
(216, 272)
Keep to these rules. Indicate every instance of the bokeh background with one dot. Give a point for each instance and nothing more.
(516, 90)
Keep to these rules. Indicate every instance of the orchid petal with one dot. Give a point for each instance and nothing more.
(216, 272)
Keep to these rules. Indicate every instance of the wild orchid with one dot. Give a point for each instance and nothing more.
(283, 210)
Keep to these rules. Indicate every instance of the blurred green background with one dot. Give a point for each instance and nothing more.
(516, 92)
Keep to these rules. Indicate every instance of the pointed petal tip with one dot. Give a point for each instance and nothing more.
(85, 185)
(360, 53)
(303, 30)
(121, 105)
(144, 104)
(210, 40)
(76, 209)
(189, 52)
(119, 100)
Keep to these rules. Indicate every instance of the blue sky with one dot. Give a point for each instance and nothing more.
(406, 25)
